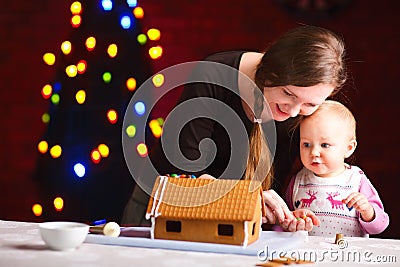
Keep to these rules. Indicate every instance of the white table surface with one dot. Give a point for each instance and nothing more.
(21, 245)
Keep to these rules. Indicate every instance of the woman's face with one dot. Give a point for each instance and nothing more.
(290, 101)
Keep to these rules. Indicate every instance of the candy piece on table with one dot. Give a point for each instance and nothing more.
(304, 217)
(339, 237)
(283, 261)
(108, 229)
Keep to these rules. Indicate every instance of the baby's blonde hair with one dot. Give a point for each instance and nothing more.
(336, 108)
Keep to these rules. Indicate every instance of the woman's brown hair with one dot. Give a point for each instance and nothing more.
(304, 56)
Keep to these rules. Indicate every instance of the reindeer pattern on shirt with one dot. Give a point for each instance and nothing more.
(324, 197)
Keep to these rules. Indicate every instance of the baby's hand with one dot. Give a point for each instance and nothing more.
(304, 220)
(361, 204)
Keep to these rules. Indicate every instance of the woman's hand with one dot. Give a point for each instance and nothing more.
(304, 220)
(276, 208)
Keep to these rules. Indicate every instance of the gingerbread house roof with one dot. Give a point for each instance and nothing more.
(203, 199)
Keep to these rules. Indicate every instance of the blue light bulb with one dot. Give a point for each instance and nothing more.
(140, 108)
(125, 22)
(79, 170)
(131, 3)
(107, 5)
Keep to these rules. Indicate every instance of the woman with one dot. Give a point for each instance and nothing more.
(293, 77)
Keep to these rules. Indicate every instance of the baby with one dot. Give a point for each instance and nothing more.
(339, 194)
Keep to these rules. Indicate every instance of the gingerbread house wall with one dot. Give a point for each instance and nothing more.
(244, 232)
(200, 231)
(255, 234)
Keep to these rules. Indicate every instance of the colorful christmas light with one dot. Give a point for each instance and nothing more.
(112, 116)
(131, 130)
(81, 66)
(58, 203)
(76, 21)
(43, 146)
(66, 47)
(104, 150)
(95, 156)
(154, 34)
(90, 43)
(79, 170)
(49, 58)
(158, 80)
(80, 97)
(47, 91)
(131, 84)
(56, 151)
(138, 12)
(140, 108)
(155, 52)
(76, 8)
(37, 210)
(142, 150)
(110, 50)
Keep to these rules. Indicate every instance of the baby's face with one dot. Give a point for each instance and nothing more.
(325, 142)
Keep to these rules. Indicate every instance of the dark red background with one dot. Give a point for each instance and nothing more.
(191, 30)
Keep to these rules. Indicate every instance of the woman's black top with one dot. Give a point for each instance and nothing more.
(201, 128)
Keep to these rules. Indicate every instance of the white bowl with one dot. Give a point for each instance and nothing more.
(63, 235)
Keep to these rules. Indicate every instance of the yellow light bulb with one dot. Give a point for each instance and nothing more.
(112, 116)
(96, 156)
(55, 151)
(58, 203)
(104, 150)
(81, 66)
(153, 123)
(66, 47)
(138, 12)
(49, 58)
(47, 90)
(71, 71)
(76, 21)
(37, 210)
(131, 84)
(154, 34)
(155, 128)
(43, 146)
(112, 50)
(142, 149)
(80, 96)
(90, 43)
(76, 8)
(157, 131)
(155, 52)
(158, 80)
(131, 130)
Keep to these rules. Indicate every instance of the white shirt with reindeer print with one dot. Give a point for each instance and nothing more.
(324, 197)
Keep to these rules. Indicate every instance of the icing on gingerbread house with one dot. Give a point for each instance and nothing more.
(202, 210)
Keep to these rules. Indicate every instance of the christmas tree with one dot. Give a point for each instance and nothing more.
(81, 172)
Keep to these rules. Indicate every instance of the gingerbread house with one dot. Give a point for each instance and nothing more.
(201, 210)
